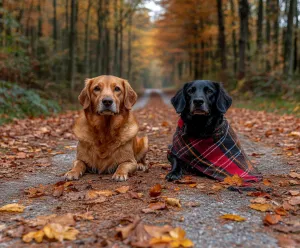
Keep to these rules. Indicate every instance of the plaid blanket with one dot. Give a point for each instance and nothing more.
(218, 156)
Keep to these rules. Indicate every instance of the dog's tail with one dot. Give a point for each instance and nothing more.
(140, 148)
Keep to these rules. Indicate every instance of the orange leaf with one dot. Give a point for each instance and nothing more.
(122, 189)
(280, 211)
(233, 217)
(155, 190)
(261, 207)
(234, 180)
(272, 219)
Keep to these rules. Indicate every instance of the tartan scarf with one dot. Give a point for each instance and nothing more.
(217, 156)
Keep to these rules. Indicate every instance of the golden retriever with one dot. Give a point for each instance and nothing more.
(106, 130)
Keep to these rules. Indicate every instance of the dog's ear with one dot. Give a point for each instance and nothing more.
(178, 101)
(130, 96)
(84, 97)
(223, 101)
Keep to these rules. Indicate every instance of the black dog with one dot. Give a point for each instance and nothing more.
(202, 105)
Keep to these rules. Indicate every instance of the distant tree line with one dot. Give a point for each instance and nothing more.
(58, 43)
(252, 43)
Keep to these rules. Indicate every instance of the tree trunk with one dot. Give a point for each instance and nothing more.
(121, 39)
(222, 39)
(40, 21)
(129, 47)
(86, 39)
(288, 41)
(259, 26)
(268, 35)
(233, 35)
(296, 39)
(54, 26)
(243, 13)
(107, 57)
(276, 32)
(100, 43)
(72, 45)
(116, 35)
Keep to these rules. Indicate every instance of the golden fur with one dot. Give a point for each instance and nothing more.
(107, 140)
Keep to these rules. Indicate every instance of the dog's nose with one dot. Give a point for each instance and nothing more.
(107, 101)
(198, 102)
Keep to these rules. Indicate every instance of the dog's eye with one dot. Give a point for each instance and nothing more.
(97, 88)
(209, 91)
(117, 89)
(191, 90)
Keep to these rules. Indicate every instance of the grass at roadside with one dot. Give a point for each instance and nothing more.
(274, 105)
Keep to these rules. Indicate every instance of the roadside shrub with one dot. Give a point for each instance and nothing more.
(17, 102)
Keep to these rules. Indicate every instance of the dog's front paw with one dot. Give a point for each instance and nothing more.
(173, 176)
(72, 175)
(120, 177)
(142, 167)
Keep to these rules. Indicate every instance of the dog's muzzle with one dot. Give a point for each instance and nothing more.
(107, 107)
(199, 107)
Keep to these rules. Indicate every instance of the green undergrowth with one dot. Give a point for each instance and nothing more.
(274, 104)
(17, 102)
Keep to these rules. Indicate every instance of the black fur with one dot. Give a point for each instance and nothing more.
(201, 105)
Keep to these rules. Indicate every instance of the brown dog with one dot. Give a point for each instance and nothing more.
(106, 130)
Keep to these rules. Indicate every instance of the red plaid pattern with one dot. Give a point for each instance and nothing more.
(218, 156)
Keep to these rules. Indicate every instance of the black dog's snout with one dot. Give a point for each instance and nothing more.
(198, 102)
(107, 101)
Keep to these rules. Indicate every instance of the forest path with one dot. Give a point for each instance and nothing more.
(203, 201)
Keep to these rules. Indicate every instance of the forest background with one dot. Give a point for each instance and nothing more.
(48, 48)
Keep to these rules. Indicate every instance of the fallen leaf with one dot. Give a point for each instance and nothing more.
(37, 236)
(35, 192)
(296, 134)
(259, 194)
(294, 175)
(266, 182)
(235, 180)
(200, 186)
(287, 206)
(59, 232)
(295, 200)
(294, 192)
(125, 231)
(154, 206)
(157, 231)
(280, 211)
(84, 216)
(105, 192)
(58, 191)
(260, 200)
(53, 231)
(186, 180)
(193, 185)
(233, 217)
(21, 155)
(272, 219)
(155, 190)
(64, 220)
(135, 195)
(14, 207)
(173, 202)
(294, 182)
(122, 189)
(176, 238)
(260, 207)
(286, 242)
(217, 187)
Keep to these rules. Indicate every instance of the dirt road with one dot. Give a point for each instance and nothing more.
(203, 200)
